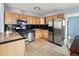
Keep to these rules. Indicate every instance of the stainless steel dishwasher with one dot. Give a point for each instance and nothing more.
(31, 36)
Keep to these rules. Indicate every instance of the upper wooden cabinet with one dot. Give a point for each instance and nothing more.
(38, 20)
(20, 16)
(15, 17)
(11, 18)
(48, 18)
(29, 19)
(54, 17)
(60, 15)
(24, 17)
(34, 20)
(8, 18)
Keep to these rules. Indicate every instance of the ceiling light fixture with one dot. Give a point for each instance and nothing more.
(37, 8)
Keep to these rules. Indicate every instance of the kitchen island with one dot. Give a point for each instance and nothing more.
(12, 44)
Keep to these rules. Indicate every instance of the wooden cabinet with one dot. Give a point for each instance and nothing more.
(41, 34)
(34, 20)
(16, 48)
(45, 34)
(17, 15)
(8, 18)
(60, 15)
(38, 20)
(48, 18)
(54, 17)
(14, 18)
(11, 18)
(24, 17)
(38, 34)
(20, 16)
(29, 19)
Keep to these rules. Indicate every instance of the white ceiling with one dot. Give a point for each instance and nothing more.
(45, 8)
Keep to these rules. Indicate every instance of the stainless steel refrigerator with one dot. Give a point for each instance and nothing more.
(56, 35)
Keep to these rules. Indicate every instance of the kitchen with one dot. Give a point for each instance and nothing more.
(25, 32)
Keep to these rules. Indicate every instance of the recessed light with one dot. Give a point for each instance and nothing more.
(37, 8)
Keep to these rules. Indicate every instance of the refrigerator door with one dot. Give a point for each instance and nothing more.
(50, 29)
(50, 37)
(50, 23)
(58, 32)
(58, 24)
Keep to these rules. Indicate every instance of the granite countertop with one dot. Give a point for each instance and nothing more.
(11, 37)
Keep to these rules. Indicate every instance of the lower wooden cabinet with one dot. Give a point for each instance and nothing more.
(45, 34)
(16, 48)
(41, 34)
(38, 34)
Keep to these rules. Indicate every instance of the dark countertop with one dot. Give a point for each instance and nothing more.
(32, 26)
(11, 37)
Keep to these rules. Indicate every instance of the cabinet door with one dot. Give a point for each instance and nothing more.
(50, 18)
(38, 34)
(14, 18)
(21, 16)
(34, 20)
(8, 18)
(17, 16)
(45, 34)
(38, 20)
(29, 19)
(24, 17)
(55, 17)
(47, 19)
(60, 15)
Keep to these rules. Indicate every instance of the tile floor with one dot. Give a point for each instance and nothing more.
(42, 47)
